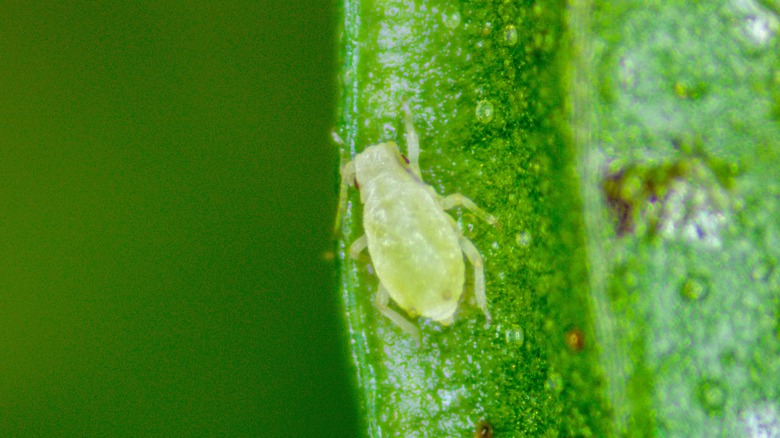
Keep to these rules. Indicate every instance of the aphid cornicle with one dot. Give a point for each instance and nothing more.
(416, 248)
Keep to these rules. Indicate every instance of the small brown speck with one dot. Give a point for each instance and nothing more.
(484, 430)
(575, 339)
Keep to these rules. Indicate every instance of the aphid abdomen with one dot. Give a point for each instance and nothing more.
(415, 250)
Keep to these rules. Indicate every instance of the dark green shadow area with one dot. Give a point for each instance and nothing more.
(166, 205)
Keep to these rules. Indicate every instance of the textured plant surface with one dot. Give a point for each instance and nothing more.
(630, 151)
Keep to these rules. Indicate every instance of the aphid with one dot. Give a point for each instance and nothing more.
(416, 248)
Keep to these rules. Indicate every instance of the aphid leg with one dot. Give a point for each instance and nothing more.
(412, 143)
(479, 274)
(358, 246)
(382, 301)
(457, 199)
(347, 179)
(336, 137)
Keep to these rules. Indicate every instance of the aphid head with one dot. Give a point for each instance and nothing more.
(378, 159)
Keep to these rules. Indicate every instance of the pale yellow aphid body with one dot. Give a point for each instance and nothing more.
(416, 248)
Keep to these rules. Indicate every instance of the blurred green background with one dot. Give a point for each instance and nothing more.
(166, 201)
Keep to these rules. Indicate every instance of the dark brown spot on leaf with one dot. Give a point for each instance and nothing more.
(575, 339)
(484, 430)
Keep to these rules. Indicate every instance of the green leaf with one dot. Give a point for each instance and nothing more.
(675, 114)
(630, 151)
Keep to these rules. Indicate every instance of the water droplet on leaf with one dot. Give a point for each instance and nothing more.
(451, 19)
(515, 335)
(695, 288)
(510, 35)
(485, 111)
(523, 239)
(712, 396)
